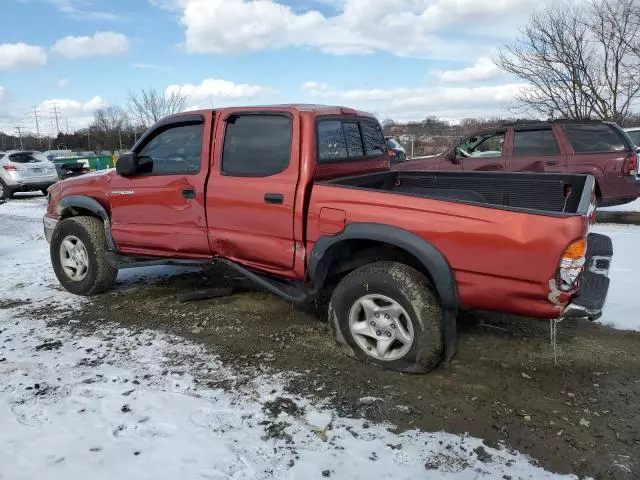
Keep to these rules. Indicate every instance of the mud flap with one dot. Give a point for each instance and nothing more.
(450, 334)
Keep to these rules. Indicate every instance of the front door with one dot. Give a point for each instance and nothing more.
(252, 188)
(484, 152)
(162, 211)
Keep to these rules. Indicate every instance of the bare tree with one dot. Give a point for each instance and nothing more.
(109, 125)
(111, 119)
(579, 62)
(149, 105)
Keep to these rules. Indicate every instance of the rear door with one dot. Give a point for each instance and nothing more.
(252, 187)
(536, 149)
(485, 151)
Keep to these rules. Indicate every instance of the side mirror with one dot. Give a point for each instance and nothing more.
(130, 164)
(127, 165)
(453, 157)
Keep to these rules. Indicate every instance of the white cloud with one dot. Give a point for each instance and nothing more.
(403, 27)
(416, 103)
(78, 114)
(63, 83)
(14, 56)
(214, 90)
(100, 44)
(483, 69)
(149, 66)
(82, 10)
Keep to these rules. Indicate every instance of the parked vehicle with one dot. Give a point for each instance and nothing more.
(397, 153)
(634, 135)
(301, 199)
(25, 171)
(52, 154)
(595, 148)
(73, 169)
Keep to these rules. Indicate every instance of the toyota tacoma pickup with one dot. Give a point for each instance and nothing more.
(301, 200)
(590, 147)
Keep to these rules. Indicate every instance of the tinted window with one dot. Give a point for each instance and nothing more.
(332, 144)
(373, 138)
(633, 135)
(353, 139)
(256, 145)
(535, 142)
(349, 139)
(594, 138)
(175, 151)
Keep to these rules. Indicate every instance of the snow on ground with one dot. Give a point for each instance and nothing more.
(122, 404)
(627, 207)
(623, 299)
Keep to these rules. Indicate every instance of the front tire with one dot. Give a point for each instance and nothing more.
(387, 313)
(78, 255)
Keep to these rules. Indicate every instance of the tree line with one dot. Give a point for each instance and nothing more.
(113, 128)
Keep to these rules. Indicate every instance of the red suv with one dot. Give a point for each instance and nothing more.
(597, 148)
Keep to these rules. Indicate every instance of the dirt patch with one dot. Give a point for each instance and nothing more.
(13, 303)
(580, 416)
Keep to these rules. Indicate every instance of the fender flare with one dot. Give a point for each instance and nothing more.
(428, 255)
(92, 205)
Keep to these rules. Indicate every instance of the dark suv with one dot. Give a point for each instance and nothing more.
(601, 149)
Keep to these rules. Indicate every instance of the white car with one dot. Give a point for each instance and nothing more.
(25, 171)
(634, 135)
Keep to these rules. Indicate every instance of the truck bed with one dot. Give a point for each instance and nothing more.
(553, 194)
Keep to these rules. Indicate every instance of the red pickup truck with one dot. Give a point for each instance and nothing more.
(590, 147)
(301, 199)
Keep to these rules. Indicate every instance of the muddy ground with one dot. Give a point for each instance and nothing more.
(580, 416)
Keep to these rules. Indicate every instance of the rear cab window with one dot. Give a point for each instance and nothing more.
(597, 138)
(343, 139)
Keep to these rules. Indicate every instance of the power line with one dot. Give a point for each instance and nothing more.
(35, 116)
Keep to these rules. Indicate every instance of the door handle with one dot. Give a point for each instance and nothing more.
(273, 198)
(551, 163)
(189, 193)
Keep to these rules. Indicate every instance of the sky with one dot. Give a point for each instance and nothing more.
(399, 59)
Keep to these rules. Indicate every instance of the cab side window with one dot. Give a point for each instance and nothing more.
(484, 145)
(175, 151)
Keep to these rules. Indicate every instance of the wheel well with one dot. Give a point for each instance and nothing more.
(78, 212)
(348, 255)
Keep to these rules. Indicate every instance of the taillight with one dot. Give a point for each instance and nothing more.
(11, 168)
(630, 165)
(572, 265)
(391, 153)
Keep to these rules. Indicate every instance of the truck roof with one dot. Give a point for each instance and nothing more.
(300, 107)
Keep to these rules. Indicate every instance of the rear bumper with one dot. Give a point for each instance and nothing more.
(32, 186)
(49, 226)
(592, 294)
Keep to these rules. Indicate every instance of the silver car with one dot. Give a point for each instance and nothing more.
(25, 171)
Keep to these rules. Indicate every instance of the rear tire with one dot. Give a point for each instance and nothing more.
(78, 255)
(387, 313)
(5, 193)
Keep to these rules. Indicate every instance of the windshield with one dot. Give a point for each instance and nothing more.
(393, 143)
(634, 135)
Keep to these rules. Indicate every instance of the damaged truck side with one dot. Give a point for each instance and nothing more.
(301, 199)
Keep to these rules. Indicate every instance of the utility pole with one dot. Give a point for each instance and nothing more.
(55, 112)
(19, 130)
(35, 116)
(88, 141)
(66, 119)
